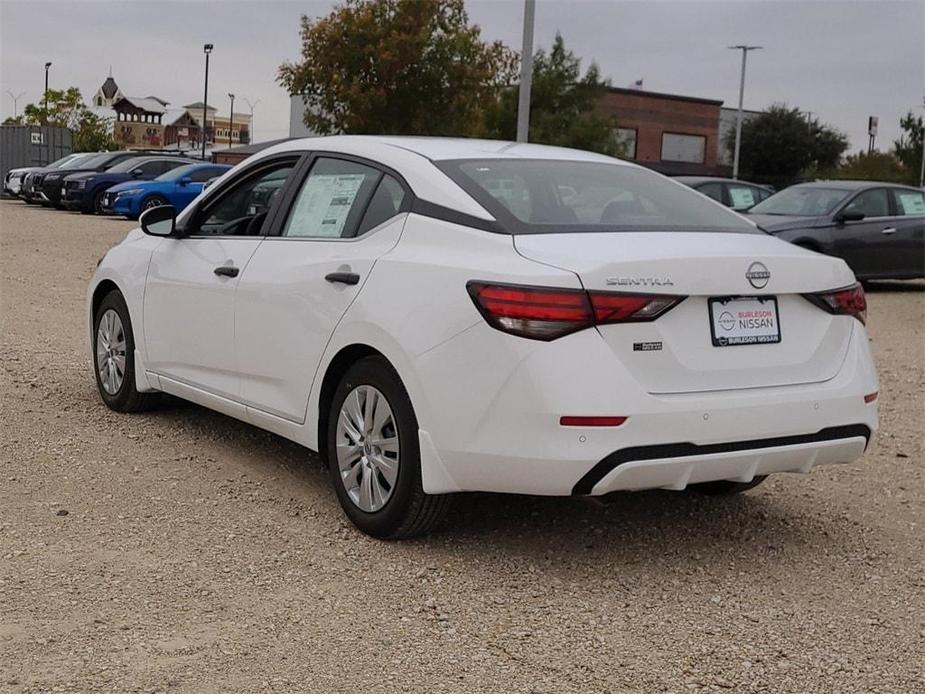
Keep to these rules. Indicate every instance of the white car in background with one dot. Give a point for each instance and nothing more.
(436, 316)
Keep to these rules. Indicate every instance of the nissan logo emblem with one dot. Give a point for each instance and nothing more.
(757, 275)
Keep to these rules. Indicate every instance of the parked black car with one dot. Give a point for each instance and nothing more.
(877, 228)
(84, 190)
(739, 195)
(31, 188)
(52, 183)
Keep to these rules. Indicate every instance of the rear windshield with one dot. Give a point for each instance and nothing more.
(802, 202)
(545, 196)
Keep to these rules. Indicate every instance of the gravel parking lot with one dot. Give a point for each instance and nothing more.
(181, 550)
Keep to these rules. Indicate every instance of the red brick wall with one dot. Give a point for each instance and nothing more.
(651, 115)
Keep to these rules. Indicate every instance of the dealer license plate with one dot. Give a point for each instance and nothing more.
(744, 320)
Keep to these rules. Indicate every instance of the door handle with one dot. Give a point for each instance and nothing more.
(889, 230)
(226, 271)
(343, 277)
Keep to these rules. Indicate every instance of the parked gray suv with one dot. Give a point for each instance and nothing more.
(877, 228)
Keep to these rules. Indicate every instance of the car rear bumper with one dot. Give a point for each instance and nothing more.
(504, 434)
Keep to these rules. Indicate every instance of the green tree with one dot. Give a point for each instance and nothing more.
(909, 145)
(66, 109)
(563, 105)
(410, 67)
(873, 166)
(13, 120)
(781, 144)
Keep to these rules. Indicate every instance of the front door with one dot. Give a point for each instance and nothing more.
(305, 275)
(191, 282)
(862, 244)
(907, 232)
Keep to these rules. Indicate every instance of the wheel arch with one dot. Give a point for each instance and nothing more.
(338, 366)
(101, 290)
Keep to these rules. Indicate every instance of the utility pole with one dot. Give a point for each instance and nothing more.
(207, 49)
(15, 98)
(231, 119)
(251, 107)
(738, 146)
(526, 73)
(47, 65)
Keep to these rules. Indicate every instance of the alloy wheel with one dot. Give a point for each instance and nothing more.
(367, 448)
(110, 351)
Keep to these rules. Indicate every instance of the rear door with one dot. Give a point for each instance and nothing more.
(345, 214)
(907, 232)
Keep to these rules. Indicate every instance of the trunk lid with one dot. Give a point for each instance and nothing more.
(700, 266)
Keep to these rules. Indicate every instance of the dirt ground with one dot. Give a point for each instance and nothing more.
(181, 550)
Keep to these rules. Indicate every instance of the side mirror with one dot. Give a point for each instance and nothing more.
(137, 172)
(185, 181)
(159, 221)
(849, 216)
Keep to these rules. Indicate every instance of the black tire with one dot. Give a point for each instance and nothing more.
(152, 201)
(96, 207)
(725, 487)
(126, 398)
(408, 512)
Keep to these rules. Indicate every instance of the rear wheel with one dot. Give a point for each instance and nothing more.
(152, 201)
(114, 357)
(725, 487)
(373, 455)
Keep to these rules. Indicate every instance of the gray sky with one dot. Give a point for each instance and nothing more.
(840, 59)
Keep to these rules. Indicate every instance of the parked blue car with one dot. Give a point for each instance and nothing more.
(177, 187)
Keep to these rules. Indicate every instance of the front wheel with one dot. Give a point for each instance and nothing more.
(373, 455)
(114, 356)
(151, 202)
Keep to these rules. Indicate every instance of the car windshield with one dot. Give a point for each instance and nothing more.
(90, 162)
(543, 196)
(177, 173)
(58, 163)
(802, 202)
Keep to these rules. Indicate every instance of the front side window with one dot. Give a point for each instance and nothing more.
(871, 203)
(242, 209)
(742, 197)
(909, 203)
(332, 200)
(802, 202)
(712, 190)
(546, 196)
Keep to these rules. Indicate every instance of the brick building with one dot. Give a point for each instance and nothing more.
(669, 133)
(139, 122)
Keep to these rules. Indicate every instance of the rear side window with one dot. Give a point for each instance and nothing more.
(555, 196)
(332, 200)
(207, 174)
(385, 204)
(909, 203)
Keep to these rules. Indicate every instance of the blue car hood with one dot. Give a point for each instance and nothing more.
(131, 185)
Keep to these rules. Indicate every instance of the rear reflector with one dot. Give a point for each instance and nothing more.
(870, 397)
(591, 421)
(545, 313)
(849, 301)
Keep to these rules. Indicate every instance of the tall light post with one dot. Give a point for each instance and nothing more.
(15, 98)
(230, 119)
(526, 72)
(207, 49)
(45, 99)
(738, 147)
(251, 107)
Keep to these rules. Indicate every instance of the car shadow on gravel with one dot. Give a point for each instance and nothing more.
(661, 528)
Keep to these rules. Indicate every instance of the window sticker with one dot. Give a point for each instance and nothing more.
(324, 204)
(912, 203)
(741, 197)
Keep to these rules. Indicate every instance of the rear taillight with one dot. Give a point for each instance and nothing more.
(849, 301)
(544, 313)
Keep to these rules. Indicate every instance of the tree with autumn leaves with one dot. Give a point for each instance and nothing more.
(417, 67)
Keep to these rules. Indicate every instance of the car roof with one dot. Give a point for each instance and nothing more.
(850, 185)
(716, 179)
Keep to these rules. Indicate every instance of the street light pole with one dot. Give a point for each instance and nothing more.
(738, 146)
(231, 119)
(526, 72)
(207, 49)
(15, 98)
(47, 65)
(251, 107)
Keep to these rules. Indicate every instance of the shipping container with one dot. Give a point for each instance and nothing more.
(31, 145)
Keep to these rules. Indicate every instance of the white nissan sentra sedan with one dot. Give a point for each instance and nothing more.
(437, 316)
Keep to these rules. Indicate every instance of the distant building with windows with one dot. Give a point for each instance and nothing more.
(672, 134)
(139, 122)
(186, 131)
(108, 93)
